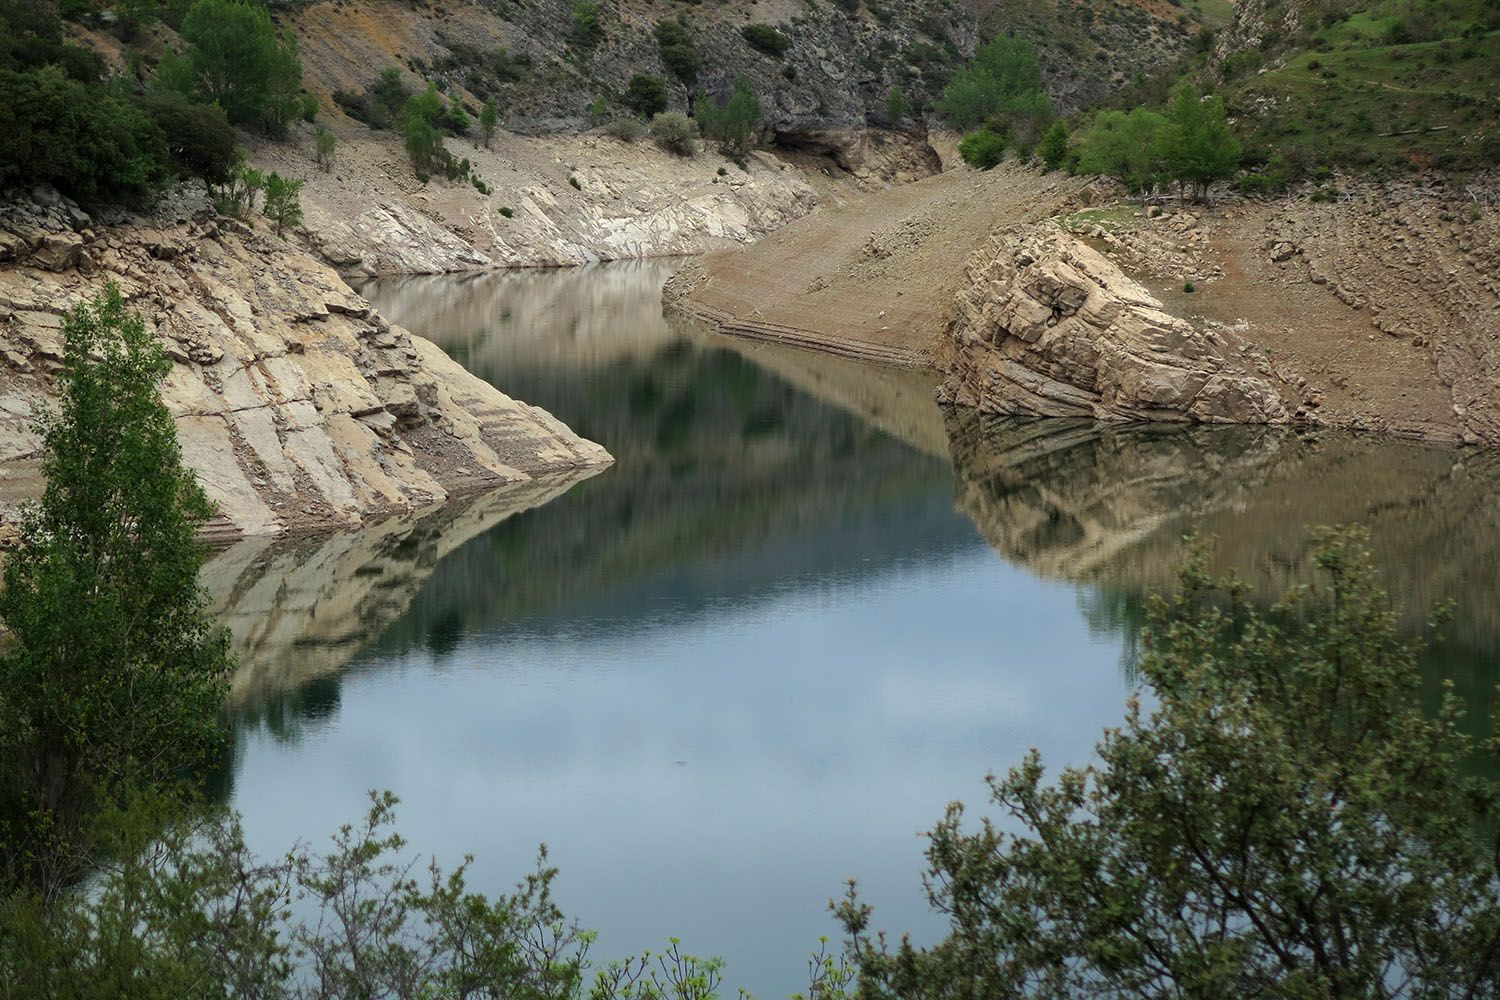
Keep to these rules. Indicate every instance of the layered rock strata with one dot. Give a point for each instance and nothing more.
(296, 403)
(1048, 326)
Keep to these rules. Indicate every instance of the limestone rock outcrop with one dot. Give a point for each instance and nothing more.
(296, 403)
(1048, 326)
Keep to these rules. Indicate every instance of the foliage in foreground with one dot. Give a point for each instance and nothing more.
(114, 670)
(1286, 822)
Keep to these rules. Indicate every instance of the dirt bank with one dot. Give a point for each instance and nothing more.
(873, 279)
(1378, 311)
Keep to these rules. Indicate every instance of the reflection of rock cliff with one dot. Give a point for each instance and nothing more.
(1110, 503)
(301, 608)
(296, 403)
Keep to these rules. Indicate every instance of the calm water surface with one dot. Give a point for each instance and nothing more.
(802, 612)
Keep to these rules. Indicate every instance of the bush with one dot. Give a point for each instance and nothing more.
(507, 211)
(1053, 149)
(896, 106)
(381, 102)
(983, 149)
(588, 29)
(678, 51)
(327, 142)
(626, 129)
(675, 132)
(283, 203)
(766, 39)
(573, 180)
(200, 141)
(646, 95)
(1188, 286)
(734, 123)
(1001, 89)
(85, 140)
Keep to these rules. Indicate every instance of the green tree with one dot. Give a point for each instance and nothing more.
(327, 143)
(734, 123)
(1196, 145)
(115, 672)
(1125, 147)
(1001, 87)
(1053, 149)
(283, 201)
(896, 105)
(419, 124)
(646, 94)
(236, 58)
(489, 121)
(1288, 820)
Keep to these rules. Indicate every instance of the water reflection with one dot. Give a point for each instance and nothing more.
(764, 649)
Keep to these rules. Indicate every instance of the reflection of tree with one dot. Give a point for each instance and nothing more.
(1109, 611)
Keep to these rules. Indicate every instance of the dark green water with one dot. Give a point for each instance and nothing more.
(803, 611)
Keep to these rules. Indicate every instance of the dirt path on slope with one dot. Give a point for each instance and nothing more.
(874, 279)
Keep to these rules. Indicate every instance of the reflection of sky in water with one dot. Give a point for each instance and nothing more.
(714, 775)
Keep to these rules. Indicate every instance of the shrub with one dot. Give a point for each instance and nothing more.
(326, 143)
(678, 51)
(626, 129)
(87, 141)
(507, 211)
(1188, 286)
(456, 119)
(573, 180)
(675, 132)
(588, 29)
(380, 104)
(734, 123)
(646, 95)
(283, 205)
(896, 105)
(1001, 89)
(1053, 149)
(766, 39)
(982, 149)
(200, 141)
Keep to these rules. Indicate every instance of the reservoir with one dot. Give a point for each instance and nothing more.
(803, 611)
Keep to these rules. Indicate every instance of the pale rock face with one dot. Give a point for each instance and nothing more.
(297, 405)
(1048, 326)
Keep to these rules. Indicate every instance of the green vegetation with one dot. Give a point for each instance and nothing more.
(326, 143)
(1191, 146)
(380, 104)
(1286, 820)
(113, 672)
(766, 40)
(92, 140)
(896, 105)
(678, 50)
(283, 202)
(999, 93)
(734, 123)
(646, 95)
(1053, 149)
(983, 149)
(675, 132)
(588, 27)
(235, 58)
(626, 129)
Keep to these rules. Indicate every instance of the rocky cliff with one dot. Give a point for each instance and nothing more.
(1049, 326)
(297, 404)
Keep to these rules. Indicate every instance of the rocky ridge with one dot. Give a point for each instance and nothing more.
(1049, 326)
(296, 403)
